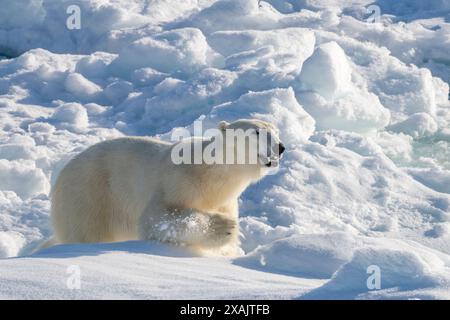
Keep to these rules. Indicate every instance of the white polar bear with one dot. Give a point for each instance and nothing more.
(131, 188)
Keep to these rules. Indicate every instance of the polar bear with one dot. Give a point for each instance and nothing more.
(132, 189)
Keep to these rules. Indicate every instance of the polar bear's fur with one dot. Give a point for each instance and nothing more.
(129, 188)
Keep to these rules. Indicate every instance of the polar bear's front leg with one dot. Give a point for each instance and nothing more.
(188, 227)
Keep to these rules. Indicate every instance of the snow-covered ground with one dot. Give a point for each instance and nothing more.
(158, 272)
(361, 100)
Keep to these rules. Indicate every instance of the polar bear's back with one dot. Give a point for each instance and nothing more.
(98, 196)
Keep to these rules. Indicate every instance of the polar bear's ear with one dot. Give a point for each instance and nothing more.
(223, 125)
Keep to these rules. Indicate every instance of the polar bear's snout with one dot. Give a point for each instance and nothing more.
(264, 144)
(271, 147)
(272, 160)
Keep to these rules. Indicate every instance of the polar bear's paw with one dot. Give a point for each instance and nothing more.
(206, 230)
(194, 228)
(221, 230)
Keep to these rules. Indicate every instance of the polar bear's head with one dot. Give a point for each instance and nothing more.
(254, 142)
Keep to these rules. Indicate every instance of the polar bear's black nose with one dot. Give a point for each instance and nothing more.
(281, 148)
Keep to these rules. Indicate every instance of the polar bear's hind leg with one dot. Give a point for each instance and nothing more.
(83, 208)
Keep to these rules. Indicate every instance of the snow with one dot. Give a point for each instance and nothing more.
(159, 272)
(408, 271)
(182, 50)
(81, 87)
(23, 178)
(329, 95)
(307, 255)
(277, 106)
(363, 109)
(71, 115)
(417, 125)
(330, 62)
